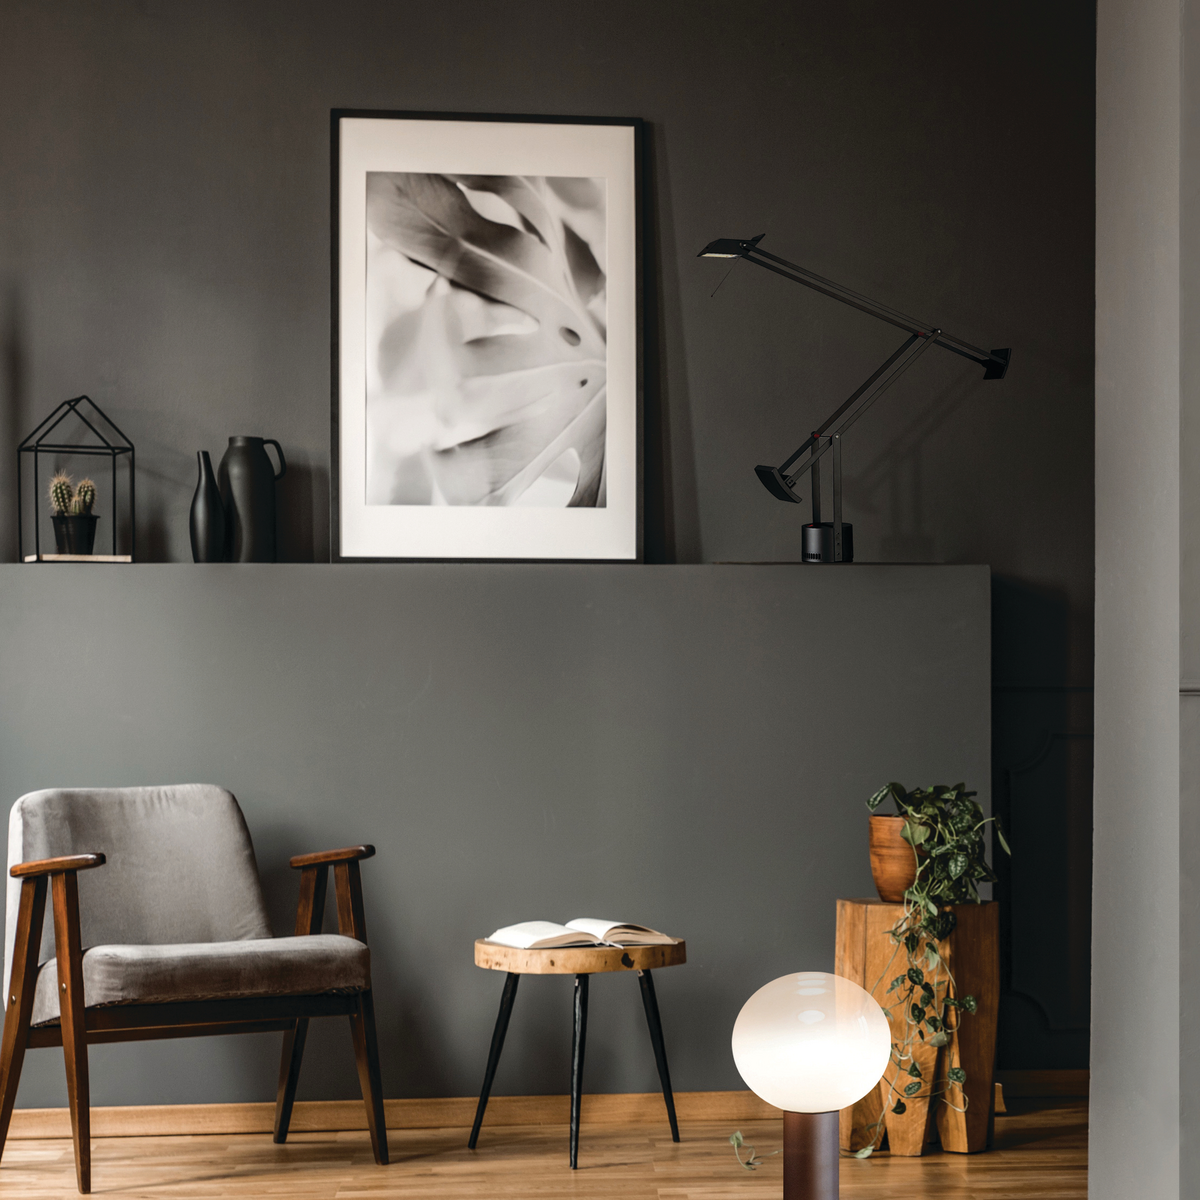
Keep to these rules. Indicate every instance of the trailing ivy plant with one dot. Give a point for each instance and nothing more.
(945, 827)
(753, 1161)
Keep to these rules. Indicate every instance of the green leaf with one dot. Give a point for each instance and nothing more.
(911, 1089)
(879, 797)
(914, 1071)
(865, 1152)
(939, 1039)
(916, 834)
(736, 1139)
(917, 1013)
(916, 975)
(957, 864)
(895, 984)
(956, 1075)
(1002, 839)
(968, 1002)
(899, 1108)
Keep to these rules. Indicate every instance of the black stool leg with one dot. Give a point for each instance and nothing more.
(506, 1005)
(581, 998)
(650, 1002)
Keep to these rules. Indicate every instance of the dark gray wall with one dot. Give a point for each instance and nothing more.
(164, 247)
(685, 746)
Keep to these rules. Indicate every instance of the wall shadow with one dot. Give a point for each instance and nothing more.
(671, 519)
(14, 383)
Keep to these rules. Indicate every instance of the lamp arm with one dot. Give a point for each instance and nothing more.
(775, 478)
(842, 407)
(994, 361)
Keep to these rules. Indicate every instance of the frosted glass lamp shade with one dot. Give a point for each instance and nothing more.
(811, 1042)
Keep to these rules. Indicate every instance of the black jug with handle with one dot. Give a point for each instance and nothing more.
(247, 480)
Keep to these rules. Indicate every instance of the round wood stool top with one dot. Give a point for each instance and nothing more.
(577, 960)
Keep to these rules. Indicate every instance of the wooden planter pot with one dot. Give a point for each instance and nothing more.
(893, 863)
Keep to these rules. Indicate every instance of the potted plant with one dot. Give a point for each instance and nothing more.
(941, 829)
(73, 519)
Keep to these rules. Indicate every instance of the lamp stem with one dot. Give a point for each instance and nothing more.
(816, 485)
(810, 1156)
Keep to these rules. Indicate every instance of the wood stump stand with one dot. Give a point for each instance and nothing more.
(867, 955)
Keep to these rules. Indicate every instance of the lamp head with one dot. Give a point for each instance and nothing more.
(811, 1042)
(729, 247)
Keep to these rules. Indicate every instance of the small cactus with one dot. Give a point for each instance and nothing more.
(85, 497)
(61, 493)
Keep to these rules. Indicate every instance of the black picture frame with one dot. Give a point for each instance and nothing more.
(340, 551)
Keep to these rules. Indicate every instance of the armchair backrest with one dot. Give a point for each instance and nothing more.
(180, 866)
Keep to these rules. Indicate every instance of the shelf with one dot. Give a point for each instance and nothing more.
(88, 558)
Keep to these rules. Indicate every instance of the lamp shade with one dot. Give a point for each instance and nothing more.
(811, 1042)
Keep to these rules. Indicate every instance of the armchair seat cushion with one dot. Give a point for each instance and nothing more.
(159, 974)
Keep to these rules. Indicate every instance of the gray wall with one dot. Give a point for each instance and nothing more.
(685, 746)
(164, 248)
(1136, 1137)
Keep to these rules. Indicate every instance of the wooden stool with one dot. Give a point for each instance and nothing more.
(580, 961)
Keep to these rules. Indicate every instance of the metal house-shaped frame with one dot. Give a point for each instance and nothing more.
(37, 443)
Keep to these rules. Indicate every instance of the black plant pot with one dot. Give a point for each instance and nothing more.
(75, 534)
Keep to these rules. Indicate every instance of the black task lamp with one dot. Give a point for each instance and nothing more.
(833, 541)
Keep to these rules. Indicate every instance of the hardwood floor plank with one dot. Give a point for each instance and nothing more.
(1040, 1154)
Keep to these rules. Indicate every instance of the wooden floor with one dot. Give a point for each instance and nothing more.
(1040, 1154)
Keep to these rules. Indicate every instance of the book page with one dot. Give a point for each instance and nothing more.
(528, 935)
(621, 933)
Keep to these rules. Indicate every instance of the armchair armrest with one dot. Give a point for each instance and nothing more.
(56, 866)
(323, 858)
(314, 877)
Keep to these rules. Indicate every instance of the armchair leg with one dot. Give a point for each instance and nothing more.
(20, 999)
(366, 1051)
(289, 1076)
(74, 1032)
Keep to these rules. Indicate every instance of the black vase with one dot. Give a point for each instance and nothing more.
(247, 481)
(207, 522)
(74, 533)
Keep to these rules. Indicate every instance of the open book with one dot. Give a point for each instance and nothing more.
(582, 931)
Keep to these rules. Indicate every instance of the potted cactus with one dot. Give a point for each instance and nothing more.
(73, 519)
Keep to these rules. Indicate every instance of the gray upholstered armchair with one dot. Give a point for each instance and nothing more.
(169, 938)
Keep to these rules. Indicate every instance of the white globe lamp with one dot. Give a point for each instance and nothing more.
(810, 1044)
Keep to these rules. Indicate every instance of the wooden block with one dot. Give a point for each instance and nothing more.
(866, 954)
(854, 1123)
(972, 952)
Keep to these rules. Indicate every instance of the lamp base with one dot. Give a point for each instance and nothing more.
(818, 542)
(810, 1156)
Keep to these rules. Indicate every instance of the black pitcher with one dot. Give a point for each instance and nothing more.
(207, 520)
(247, 480)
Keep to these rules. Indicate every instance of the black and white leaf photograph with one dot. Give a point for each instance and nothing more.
(485, 340)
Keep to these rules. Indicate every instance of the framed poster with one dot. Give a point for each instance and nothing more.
(487, 349)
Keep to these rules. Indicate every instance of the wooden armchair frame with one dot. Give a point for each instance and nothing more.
(79, 1027)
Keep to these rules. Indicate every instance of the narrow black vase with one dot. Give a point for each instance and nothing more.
(207, 522)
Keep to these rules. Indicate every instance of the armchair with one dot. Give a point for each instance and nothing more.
(170, 938)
